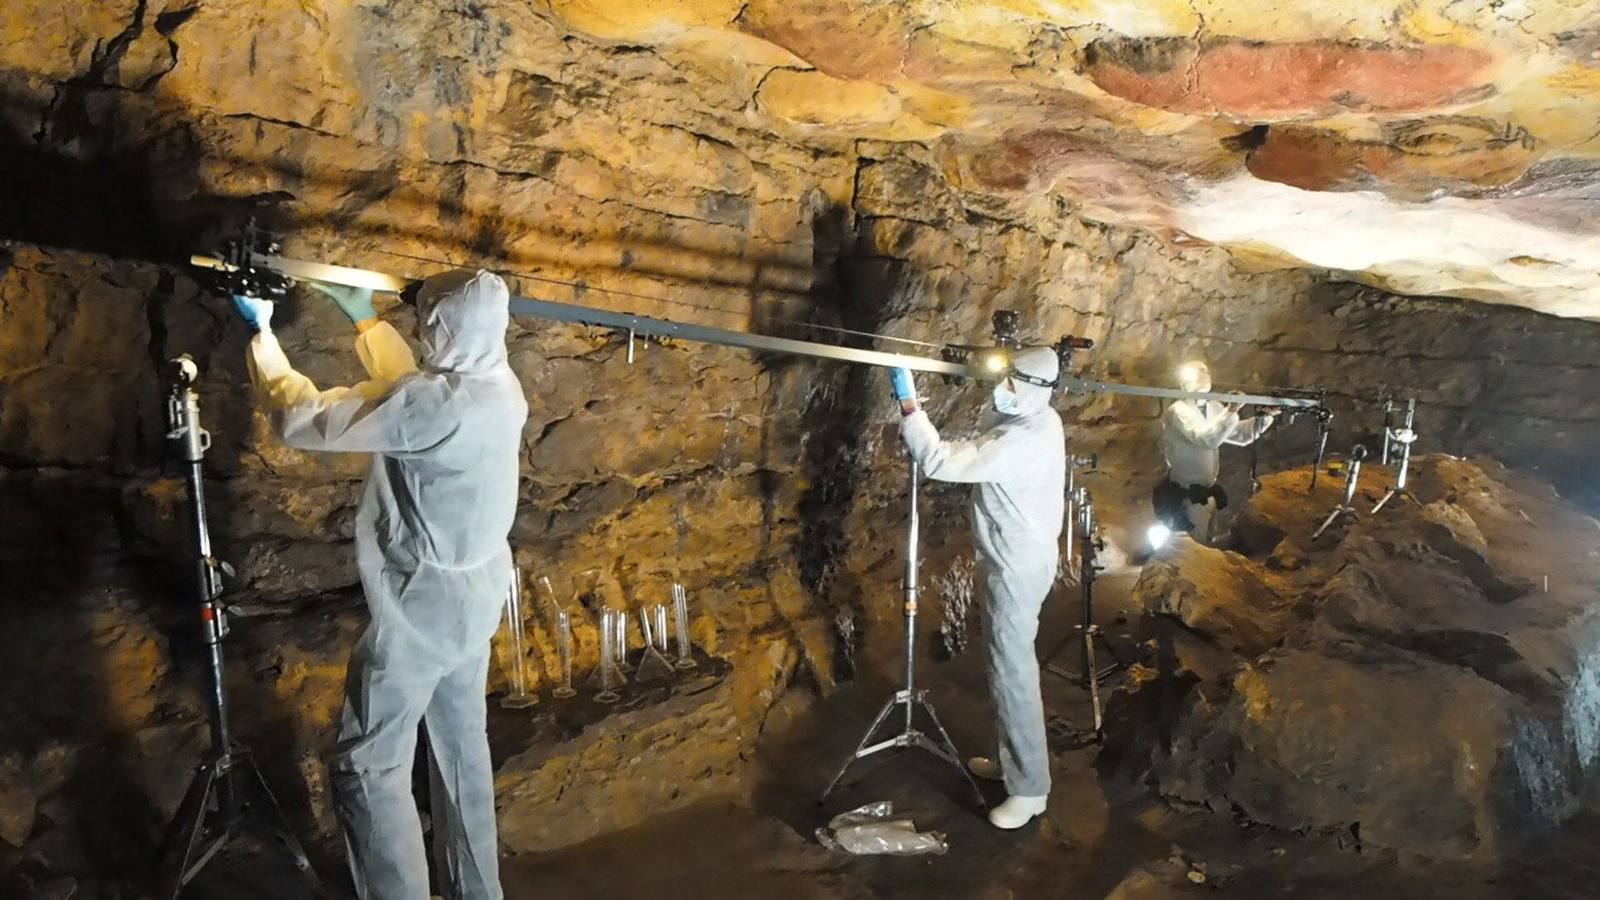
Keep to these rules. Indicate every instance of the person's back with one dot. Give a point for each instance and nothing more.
(435, 563)
(454, 504)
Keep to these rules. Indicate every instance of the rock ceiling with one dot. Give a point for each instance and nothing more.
(1428, 146)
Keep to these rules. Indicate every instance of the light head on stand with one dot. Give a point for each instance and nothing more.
(182, 370)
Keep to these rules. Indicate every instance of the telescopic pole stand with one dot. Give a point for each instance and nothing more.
(1346, 506)
(228, 793)
(1324, 428)
(1086, 633)
(1402, 437)
(1074, 463)
(909, 698)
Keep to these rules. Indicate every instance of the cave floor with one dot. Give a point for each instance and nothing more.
(1102, 837)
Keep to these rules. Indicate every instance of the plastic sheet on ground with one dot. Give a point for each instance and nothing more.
(872, 829)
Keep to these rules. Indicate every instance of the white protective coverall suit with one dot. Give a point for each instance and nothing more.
(1018, 469)
(1192, 433)
(435, 564)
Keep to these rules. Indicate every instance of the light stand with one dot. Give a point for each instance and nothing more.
(1347, 506)
(227, 790)
(1404, 437)
(1086, 632)
(910, 696)
(1073, 464)
(1324, 428)
(1388, 428)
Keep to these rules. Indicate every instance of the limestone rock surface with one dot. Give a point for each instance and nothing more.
(791, 168)
(1430, 147)
(1416, 682)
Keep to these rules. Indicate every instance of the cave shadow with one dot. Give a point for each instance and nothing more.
(85, 181)
(854, 292)
(71, 182)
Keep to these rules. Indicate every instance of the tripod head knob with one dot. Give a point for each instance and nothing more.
(182, 370)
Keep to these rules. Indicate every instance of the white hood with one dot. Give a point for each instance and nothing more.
(461, 319)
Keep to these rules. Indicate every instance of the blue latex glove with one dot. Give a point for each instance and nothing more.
(255, 311)
(356, 303)
(904, 389)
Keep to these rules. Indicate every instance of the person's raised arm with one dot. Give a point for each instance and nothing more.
(1203, 429)
(987, 457)
(369, 417)
(1248, 430)
(383, 352)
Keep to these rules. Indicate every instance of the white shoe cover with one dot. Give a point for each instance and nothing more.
(1017, 812)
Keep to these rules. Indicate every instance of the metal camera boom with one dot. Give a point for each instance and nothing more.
(250, 259)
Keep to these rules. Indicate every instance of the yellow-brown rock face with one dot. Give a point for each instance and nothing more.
(1432, 147)
(788, 167)
(1479, 121)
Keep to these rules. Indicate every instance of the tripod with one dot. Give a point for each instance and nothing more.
(1346, 507)
(1404, 437)
(1086, 631)
(227, 790)
(910, 697)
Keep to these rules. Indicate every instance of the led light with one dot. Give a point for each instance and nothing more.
(995, 362)
(1158, 535)
(1188, 373)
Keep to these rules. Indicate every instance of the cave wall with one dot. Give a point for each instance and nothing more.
(134, 134)
(672, 468)
(137, 135)
(1504, 383)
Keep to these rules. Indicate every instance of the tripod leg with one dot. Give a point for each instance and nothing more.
(1327, 522)
(1091, 676)
(1118, 661)
(950, 747)
(280, 823)
(888, 707)
(1393, 493)
(1055, 668)
(188, 827)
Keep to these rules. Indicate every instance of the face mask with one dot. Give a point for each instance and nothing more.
(1005, 401)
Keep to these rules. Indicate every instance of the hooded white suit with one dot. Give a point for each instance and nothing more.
(435, 566)
(1192, 434)
(1019, 470)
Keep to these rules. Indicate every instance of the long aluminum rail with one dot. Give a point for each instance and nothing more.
(304, 270)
